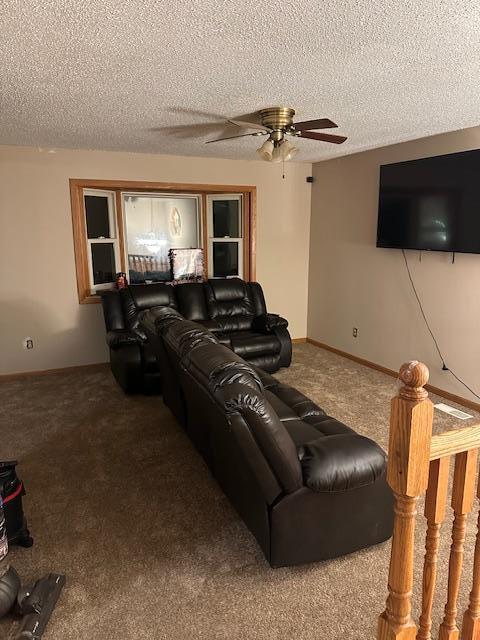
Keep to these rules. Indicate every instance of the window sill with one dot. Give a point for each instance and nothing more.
(91, 300)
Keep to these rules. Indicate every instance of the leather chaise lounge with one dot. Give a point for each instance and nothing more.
(307, 486)
(232, 309)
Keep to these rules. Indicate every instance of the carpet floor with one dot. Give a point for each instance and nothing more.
(119, 500)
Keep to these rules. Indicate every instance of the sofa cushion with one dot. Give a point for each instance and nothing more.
(269, 362)
(326, 425)
(297, 401)
(283, 411)
(305, 430)
(301, 432)
(341, 462)
(249, 345)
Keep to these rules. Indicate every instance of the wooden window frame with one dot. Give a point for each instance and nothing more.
(77, 185)
(212, 239)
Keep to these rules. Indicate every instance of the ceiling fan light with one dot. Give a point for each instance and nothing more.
(277, 154)
(288, 151)
(266, 150)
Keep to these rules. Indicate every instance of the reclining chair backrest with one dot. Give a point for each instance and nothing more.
(258, 299)
(229, 302)
(136, 298)
(269, 433)
(234, 385)
(191, 301)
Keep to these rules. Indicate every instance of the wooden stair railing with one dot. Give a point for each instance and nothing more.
(419, 463)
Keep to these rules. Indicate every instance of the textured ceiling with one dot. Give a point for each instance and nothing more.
(129, 74)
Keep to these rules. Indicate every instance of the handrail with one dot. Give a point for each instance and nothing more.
(455, 441)
(418, 464)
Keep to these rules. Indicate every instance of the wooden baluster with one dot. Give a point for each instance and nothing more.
(435, 504)
(471, 619)
(462, 502)
(407, 474)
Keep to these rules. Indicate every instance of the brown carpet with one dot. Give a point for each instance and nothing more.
(119, 500)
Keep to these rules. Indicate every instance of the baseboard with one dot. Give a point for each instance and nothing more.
(299, 340)
(464, 402)
(100, 366)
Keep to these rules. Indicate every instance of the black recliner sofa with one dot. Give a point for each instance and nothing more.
(232, 309)
(307, 486)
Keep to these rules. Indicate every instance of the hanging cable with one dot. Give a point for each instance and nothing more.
(444, 366)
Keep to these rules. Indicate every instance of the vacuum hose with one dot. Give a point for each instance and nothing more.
(9, 587)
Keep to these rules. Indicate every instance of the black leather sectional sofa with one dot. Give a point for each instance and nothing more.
(230, 308)
(307, 486)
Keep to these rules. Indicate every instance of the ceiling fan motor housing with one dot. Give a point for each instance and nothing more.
(277, 118)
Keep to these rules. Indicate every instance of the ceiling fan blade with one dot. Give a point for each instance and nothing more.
(253, 116)
(247, 125)
(324, 137)
(242, 135)
(195, 130)
(322, 123)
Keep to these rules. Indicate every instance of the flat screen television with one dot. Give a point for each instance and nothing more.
(432, 204)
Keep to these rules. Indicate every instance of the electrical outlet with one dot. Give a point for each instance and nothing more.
(28, 343)
(355, 332)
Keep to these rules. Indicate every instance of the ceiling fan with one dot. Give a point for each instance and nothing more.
(277, 123)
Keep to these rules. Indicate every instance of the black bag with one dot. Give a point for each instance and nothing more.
(12, 491)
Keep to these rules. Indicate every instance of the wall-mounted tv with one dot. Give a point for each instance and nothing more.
(432, 204)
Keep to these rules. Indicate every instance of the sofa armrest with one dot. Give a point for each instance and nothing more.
(341, 462)
(121, 337)
(268, 322)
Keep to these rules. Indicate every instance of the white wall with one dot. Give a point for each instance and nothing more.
(38, 292)
(354, 284)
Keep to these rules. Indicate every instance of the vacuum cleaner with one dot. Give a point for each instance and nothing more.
(12, 492)
(34, 603)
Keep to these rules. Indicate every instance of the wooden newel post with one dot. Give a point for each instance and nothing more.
(407, 474)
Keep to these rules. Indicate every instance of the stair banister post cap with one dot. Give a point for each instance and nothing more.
(414, 376)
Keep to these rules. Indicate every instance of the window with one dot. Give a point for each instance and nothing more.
(225, 235)
(154, 224)
(131, 226)
(102, 238)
